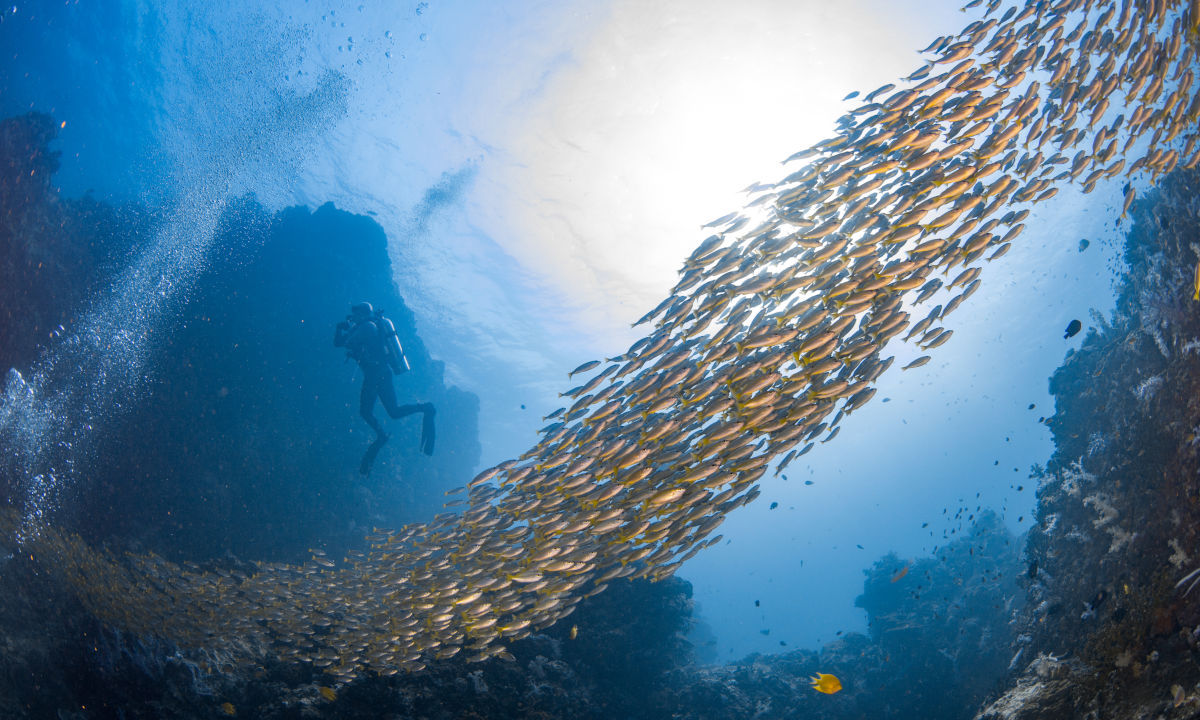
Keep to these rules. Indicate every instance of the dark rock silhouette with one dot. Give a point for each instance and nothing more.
(1105, 632)
(255, 414)
(53, 252)
(247, 438)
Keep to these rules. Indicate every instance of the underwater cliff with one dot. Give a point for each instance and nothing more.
(245, 438)
(1106, 631)
(54, 252)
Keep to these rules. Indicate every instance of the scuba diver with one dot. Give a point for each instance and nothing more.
(370, 338)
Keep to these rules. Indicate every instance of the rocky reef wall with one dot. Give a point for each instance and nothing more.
(54, 253)
(938, 646)
(245, 437)
(1106, 632)
(939, 629)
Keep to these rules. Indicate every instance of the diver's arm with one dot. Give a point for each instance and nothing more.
(358, 338)
(341, 333)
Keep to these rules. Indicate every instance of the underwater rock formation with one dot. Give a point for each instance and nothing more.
(53, 252)
(1106, 630)
(247, 436)
(937, 646)
(254, 413)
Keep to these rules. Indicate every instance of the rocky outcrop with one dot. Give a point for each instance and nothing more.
(245, 438)
(1106, 632)
(53, 253)
(939, 632)
(252, 417)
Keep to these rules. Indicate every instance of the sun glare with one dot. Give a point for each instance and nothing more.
(659, 122)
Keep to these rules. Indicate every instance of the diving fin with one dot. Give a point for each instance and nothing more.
(368, 458)
(428, 433)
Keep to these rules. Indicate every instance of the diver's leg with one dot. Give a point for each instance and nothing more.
(366, 403)
(406, 410)
(427, 429)
(387, 396)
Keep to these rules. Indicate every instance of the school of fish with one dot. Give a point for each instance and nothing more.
(775, 332)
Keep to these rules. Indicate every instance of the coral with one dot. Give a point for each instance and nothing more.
(1179, 557)
(1145, 392)
(1106, 514)
(1127, 403)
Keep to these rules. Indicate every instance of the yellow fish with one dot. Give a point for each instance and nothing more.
(825, 683)
(1196, 296)
(228, 709)
(574, 632)
(327, 693)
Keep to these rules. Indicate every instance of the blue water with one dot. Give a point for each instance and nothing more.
(509, 157)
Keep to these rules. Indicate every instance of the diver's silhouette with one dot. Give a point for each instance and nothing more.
(370, 338)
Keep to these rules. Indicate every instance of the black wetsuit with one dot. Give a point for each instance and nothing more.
(365, 345)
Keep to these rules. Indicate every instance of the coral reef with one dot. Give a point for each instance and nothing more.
(937, 646)
(1119, 501)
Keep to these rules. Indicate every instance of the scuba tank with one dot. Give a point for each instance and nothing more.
(391, 344)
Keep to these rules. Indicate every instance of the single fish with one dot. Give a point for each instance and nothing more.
(917, 363)
(584, 367)
(1073, 328)
(826, 683)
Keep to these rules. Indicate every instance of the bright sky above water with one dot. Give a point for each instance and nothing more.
(543, 168)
